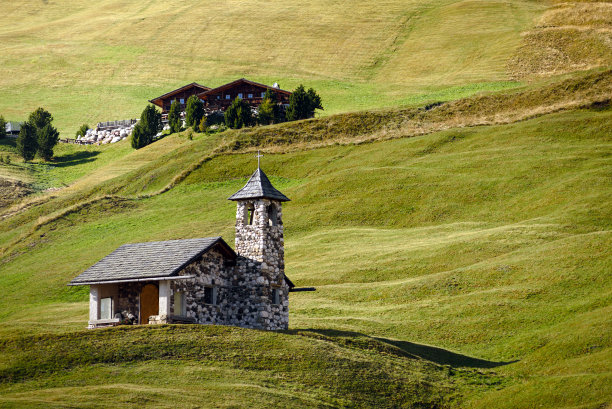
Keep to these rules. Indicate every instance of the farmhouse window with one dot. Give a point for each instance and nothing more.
(182, 100)
(228, 96)
(250, 95)
(179, 304)
(106, 308)
(240, 95)
(263, 94)
(210, 295)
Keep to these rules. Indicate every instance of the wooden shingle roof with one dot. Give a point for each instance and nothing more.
(259, 187)
(152, 260)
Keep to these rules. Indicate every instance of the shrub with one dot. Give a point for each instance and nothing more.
(82, 130)
(2, 127)
(27, 142)
(194, 112)
(302, 104)
(174, 117)
(238, 114)
(202, 124)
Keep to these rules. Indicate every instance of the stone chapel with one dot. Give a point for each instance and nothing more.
(202, 280)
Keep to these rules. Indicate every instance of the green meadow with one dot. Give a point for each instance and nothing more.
(477, 250)
(451, 205)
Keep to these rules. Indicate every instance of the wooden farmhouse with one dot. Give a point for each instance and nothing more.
(201, 280)
(218, 99)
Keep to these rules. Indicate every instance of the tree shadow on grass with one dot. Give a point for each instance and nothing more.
(434, 354)
(8, 141)
(76, 158)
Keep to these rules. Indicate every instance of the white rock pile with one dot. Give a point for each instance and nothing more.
(103, 137)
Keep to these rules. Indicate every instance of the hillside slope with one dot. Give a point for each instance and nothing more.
(488, 241)
(91, 62)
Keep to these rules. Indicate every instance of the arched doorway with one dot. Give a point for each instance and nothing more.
(149, 302)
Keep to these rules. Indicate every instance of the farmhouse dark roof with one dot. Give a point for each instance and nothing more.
(259, 187)
(176, 91)
(243, 81)
(152, 260)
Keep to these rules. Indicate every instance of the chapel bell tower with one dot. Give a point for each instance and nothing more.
(259, 231)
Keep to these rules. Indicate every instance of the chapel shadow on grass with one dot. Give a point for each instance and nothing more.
(76, 158)
(410, 349)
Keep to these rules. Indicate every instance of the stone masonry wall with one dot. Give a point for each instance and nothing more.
(211, 270)
(261, 265)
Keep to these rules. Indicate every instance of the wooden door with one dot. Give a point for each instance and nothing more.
(149, 302)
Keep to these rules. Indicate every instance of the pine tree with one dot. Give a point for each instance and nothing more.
(265, 115)
(47, 139)
(46, 135)
(151, 122)
(194, 111)
(174, 117)
(2, 127)
(27, 142)
(302, 104)
(138, 137)
(145, 130)
(40, 118)
(238, 114)
(314, 102)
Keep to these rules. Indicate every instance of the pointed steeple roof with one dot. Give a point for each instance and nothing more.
(259, 187)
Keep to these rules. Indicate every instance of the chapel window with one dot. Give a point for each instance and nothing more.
(275, 296)
(179, 304)
(251, 213)
(272, 215)
(106, 308)
(210, 295)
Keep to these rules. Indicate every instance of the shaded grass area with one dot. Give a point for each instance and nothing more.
(298, 368)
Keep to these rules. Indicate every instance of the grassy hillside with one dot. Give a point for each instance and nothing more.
(459, 243)
(89, 62)
(488, 242)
